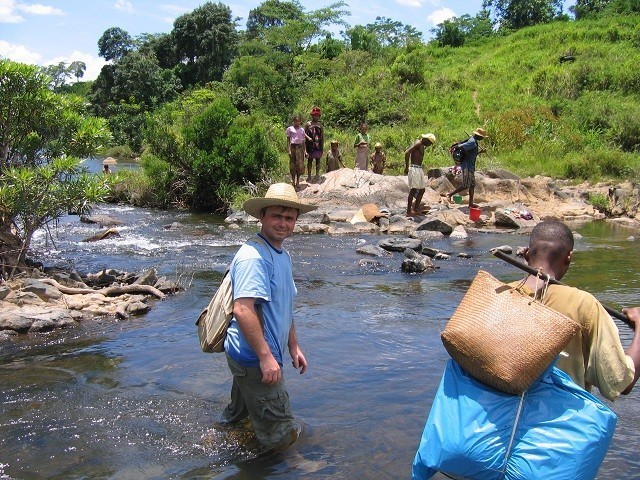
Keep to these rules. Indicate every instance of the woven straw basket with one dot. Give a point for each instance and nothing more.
(504, 338)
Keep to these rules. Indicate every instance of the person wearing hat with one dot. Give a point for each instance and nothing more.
(262, 327)
(361, 144)
(334, 157)
(417, 181)
(315, 141)
(378, 159)
(468, 164)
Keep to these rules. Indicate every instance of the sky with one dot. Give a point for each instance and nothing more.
(68, 30)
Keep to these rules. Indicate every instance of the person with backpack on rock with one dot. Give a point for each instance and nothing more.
(315, 142)
(468, 152)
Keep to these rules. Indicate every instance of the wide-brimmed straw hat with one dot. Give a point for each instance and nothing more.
(480, 132)
(278, 194)
(429, 136)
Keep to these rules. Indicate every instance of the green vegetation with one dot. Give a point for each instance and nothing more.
(600, 202)
(205, 106)
(557, 97)
(40, 180)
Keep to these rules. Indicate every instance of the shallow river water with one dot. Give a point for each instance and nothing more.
(137, 399)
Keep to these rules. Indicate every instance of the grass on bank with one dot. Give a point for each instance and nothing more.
(576, 120)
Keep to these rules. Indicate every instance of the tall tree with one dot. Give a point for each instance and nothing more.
(115, 43)
(206, 41)
(457, 31)
(272, 13)
(516, 14)
(393, 33)
(77, 69)
(58, 73)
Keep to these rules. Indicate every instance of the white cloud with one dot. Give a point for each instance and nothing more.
(410, 3)
(439, 16)
(124, 5)
(18, 53)
(173, 9)
(94, 64)
(10, 11)
(38, 9)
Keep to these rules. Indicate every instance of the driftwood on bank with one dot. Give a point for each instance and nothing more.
(108, 291)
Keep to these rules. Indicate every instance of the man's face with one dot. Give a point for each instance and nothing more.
(277, 223)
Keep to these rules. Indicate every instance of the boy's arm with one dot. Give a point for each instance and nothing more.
(407, 155)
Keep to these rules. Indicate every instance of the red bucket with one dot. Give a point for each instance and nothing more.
(474, 214)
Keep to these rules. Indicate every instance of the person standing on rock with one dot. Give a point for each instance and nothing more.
(334, 157)
(361, 144)
(468, 164)
(262, 326)
(378, 159)
(315, 141)
(295, 148)
(413, 157)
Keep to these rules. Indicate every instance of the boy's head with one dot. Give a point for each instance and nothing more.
(334, 144)
(315, 113)
(363, 127)
(296, 121)
(378, 146)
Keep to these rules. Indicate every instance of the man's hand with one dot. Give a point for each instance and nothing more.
(299, 362)
(633, 314)
(271, 372)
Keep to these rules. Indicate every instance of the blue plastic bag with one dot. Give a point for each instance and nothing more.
(555, 430)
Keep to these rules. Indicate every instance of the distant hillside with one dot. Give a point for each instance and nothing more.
(559, 99)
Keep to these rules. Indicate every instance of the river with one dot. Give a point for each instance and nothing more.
(137, 399)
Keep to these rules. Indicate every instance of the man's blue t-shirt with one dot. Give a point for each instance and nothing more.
(471, 149)
(262, 272)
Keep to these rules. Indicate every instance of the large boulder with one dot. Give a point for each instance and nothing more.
(436, 224)
(415, 262)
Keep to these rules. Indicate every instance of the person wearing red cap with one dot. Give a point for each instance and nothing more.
(315, 141)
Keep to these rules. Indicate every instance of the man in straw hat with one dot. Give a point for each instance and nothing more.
(262, 326)
(468, 164)
(595, 356)
(417, 181)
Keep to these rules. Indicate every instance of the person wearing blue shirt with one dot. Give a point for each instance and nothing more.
(262, 326)
(468, 164)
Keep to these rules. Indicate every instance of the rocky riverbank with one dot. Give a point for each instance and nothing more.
(45, 300)
(505, 201)
(56, 299)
